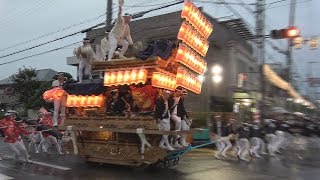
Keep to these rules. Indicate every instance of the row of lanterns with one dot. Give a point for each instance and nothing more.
(134, 76)
(194, 16)
(188, 81)
(85, 101)
(161, 80)
(192, 38)
(191, 59)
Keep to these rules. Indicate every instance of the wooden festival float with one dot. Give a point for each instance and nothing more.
(133, 138)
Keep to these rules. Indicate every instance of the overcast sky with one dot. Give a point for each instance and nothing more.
(23, 20)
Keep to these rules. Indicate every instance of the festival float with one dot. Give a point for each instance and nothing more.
(131, 137)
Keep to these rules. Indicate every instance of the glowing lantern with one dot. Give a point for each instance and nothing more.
(194, 16)
(53, 94)
(161, 80)
(85, 101)
(188, 81)
(134, 76)
(197, 42)
(191, 59)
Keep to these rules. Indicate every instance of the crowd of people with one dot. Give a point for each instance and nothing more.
(256, 139)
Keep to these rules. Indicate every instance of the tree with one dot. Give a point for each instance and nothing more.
(28, 88)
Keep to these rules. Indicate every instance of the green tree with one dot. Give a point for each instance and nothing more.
(28, 88)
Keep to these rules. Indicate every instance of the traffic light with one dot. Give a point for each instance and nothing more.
(242, 77)
(287, 33)
(314, 43)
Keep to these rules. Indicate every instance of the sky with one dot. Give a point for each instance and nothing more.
(22, 21)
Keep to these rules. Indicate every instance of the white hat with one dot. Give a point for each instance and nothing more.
(167, 91)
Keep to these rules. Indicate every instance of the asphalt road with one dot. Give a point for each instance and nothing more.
(300, 161)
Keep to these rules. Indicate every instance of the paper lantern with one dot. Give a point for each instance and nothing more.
(53, 94)
(135, 76)
(85, 101)
(195, 17)
(192, 38)
(165, 81)
(188, 81)
(191, 59)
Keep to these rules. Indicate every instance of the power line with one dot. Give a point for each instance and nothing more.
(45, 52)
(299, 2)
(65, 28)
(132, 6)
(17, 13)
(48, 42)
(42, 53)
(45, 35)
(82, 31)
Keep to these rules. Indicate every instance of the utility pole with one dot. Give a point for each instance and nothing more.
(289, 52)
(260, 33)
(109, 15)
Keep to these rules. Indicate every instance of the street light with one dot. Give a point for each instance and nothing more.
(216, 69)
(217, 78)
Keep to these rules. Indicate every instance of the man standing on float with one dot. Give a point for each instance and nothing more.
(85, 55)
(177, 112)
(162, 115)
(60, 102)
(120, 34)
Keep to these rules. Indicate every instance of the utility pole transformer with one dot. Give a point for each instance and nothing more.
(109, 15)
(260, 33)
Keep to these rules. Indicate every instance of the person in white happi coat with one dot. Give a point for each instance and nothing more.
(59, 103)
(85, 55)
(120, 34)
(104, 45)
(162, 115)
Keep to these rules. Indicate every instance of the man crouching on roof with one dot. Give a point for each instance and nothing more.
(120, 34)
(162, 115)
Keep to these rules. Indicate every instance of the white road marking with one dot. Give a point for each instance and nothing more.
(51, 165)
(4, 177)
(45, 164)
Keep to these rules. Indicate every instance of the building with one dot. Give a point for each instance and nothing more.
(229, 48)
(8, 99)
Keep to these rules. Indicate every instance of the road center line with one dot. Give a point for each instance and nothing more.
(46, 164)
(51, 165)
